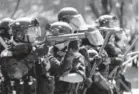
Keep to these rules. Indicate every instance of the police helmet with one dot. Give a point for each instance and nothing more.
(25, 29)
(4, 27)
(66, 13)
(105, 20)
(4, 24)
(59, 28)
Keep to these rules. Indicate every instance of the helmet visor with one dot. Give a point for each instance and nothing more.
(32, 33)
(77, 21)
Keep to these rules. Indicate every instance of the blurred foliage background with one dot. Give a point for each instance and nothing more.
(125, 10)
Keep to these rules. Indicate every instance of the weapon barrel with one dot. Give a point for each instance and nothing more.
(129, 60)
(131, 54)
(114, 30)
(66, 37)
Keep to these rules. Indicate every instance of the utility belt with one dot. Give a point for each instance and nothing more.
(22, 86)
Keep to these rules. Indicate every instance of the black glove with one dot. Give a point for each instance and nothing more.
(66, 64)
(73, 45)
(84, 52)
(116, 61)
(98, 59)
(42, 50)
(88, 82)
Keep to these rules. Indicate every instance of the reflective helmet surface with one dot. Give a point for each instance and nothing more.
(66, 13)
(4, 24)
(25, 29)
(4, 27)
(59, 28)
(106, 20)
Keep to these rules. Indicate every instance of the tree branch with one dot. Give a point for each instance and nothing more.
(16, 8)
(94, 9)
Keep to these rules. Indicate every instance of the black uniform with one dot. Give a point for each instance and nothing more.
(69, 64)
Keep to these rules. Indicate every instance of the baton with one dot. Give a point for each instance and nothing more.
(130, 60)
(113, 30)
(131, 53)
(132, 45)
(125, 54)
(100, 51)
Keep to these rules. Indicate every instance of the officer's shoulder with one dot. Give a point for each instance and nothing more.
(78, 55)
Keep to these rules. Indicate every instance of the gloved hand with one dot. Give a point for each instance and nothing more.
(116, 61)
(6, 53)
(73, 45)
(98, 59)
(46, 64)
(66, 63)
(88, 82)
(41, 50)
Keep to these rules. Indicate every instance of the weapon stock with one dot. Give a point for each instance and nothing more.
(66, 37)
(76, 36)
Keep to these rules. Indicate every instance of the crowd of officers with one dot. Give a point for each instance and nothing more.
(60, 65)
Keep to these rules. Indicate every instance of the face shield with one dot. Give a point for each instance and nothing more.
(32, 33)
(77, 22)
(95, 37)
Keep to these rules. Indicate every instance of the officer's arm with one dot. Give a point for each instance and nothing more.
(112, 50)
(77, 74)
(3, 43)
(54, 62)
(81, 66)
(102, 82)
(21, 49)
(66, 64)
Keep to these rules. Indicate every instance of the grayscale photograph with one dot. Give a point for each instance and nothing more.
(69, 47)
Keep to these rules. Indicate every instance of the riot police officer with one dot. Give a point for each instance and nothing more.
(72, 16)
(112, 49)
(71, 67)
(20, 64)
(5, 33)
(5, 36)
